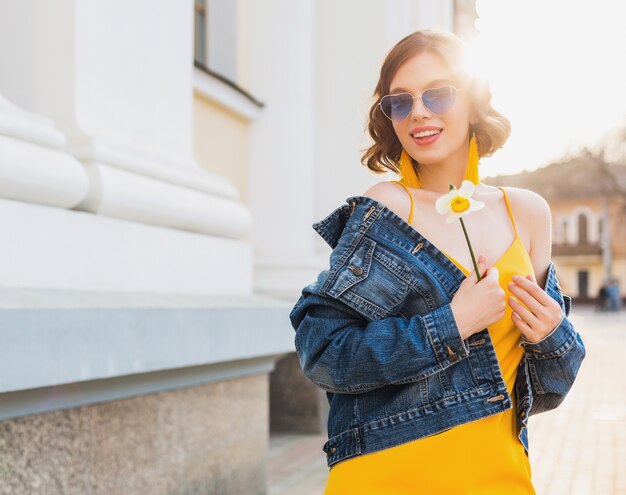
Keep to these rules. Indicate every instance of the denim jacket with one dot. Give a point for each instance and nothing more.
(377, 333)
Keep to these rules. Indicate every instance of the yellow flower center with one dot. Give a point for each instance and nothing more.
(459, 204)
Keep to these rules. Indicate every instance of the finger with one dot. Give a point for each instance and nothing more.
(524, 313)
(493, 272)
(532, 288)
(521, 324)
(482, 265)
(538, 309)
(531, 277)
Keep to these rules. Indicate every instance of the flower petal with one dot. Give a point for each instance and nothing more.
(443, 203)
(467, 188)
(475, 205)
(451, 218)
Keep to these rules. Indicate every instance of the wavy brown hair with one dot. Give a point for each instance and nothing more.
(491, 128)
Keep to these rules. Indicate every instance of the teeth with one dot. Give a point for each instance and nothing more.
(426, 133)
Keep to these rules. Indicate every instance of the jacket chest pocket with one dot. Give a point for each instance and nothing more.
(370, 280)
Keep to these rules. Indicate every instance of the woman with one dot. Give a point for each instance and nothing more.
(430, 375)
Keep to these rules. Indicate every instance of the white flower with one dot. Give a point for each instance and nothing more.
(458, 202)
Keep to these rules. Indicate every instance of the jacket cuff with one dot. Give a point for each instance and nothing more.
(445, 336)
(556, 343)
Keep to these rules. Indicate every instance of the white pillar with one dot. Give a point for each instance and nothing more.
(278, 55)
(116, 78)
(116, 70)
(100, 125)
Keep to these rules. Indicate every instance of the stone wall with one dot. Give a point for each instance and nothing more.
(209, 439)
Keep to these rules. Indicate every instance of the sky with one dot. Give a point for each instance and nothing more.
(557, 70)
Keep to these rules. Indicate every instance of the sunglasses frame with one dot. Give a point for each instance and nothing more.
(415, 98)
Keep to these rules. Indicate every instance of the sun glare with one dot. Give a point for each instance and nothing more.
(556, 71)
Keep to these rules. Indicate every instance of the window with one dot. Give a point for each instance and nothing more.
(215, 36)
(583, 283)
(564, 231)
(200, 24)
(582, 229)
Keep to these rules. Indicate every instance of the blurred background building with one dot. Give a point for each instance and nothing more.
(587, 197)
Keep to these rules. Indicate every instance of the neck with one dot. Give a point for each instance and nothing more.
(439, 182)
(437, 177)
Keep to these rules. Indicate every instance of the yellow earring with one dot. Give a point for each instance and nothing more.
(471, 172)
(407, 173)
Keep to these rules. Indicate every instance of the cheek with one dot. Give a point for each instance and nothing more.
(457, 124)
(402, 134)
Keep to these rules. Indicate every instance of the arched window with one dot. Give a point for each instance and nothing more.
(583, 236)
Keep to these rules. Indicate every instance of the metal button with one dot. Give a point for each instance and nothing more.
(331, 450)
(452, 356)
(417, 248)
(477, 342)
(357, 270)
(369, 212)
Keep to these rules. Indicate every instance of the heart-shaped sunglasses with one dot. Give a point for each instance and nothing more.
(397, 107)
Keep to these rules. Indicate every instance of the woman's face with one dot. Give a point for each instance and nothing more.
(424, 71)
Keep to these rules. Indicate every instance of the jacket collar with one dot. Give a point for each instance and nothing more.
(360, 210)
(332, 227)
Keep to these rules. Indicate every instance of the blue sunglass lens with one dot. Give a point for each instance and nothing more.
(397, 107)
(439, 100)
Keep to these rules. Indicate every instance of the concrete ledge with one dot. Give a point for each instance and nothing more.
(81, 348)
(53, 248)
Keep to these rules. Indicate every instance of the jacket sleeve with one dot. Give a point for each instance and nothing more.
(342, 352)
(554, 361)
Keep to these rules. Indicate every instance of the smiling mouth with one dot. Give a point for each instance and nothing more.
(426, 134)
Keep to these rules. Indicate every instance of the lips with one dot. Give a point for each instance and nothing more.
(425, 134)
(426, 140)
(424, 128)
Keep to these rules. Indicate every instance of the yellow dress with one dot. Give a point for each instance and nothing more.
(482, 457)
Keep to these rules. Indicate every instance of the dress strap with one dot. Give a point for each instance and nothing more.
(410, 220)
(508, 207)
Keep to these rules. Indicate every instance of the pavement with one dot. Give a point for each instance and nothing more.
(578, 448)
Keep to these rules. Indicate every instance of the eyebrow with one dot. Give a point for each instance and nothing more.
(431, 83)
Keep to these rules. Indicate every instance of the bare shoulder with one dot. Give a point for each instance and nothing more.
(530, 205)
(392, 195)
(534, 212)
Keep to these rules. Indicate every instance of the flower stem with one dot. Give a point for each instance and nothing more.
(469, 244)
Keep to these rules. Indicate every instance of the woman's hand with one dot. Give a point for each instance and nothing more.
(535, 313)
(476, 305)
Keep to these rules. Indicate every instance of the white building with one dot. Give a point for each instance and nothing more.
(157, 225)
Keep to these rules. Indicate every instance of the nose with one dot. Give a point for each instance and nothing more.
(419, 110)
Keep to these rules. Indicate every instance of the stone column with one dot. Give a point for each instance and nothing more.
(278, 64)
(108, 87)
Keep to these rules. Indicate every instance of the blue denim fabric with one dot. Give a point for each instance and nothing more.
(377, 333)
